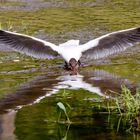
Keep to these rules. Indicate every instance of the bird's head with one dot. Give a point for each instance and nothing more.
(73, 65)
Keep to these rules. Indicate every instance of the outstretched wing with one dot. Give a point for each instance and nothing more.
(28, 45)
(110, 44)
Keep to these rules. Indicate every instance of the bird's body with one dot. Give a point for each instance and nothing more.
(71, 51)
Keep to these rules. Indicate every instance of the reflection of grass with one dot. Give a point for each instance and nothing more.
(126, 69)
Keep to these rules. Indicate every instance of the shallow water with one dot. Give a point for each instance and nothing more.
(29, 111)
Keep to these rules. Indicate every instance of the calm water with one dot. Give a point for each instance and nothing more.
(29, 112)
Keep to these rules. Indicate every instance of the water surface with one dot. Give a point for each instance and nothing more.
(29, 111)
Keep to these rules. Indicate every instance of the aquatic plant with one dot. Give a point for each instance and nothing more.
(127, 102)
(62, 108)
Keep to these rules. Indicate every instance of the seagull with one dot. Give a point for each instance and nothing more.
(71, 51)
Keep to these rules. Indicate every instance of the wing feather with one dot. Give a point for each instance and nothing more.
(110, 44)
(28, 45)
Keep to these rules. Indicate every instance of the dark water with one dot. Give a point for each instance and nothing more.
(29, 112)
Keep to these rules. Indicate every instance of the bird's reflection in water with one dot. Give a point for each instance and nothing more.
(75, 82)
(108, 81)
(38, 87)
(96, 81)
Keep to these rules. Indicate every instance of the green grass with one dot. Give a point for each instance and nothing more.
(10, 3)
(127, 102)
(110, 16)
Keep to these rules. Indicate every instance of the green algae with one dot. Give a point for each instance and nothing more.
(39, 120)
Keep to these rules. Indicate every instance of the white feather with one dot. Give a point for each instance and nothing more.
(70, 52)
(70, 43)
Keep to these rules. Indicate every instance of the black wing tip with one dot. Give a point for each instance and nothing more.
(1, 31)
(138, 29)
(4, 31)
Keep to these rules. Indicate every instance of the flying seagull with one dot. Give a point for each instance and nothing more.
(71, 51)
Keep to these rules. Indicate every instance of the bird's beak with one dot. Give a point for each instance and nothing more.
(73, 65)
